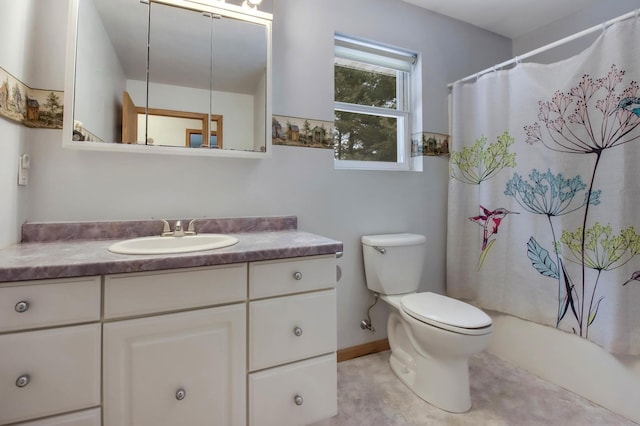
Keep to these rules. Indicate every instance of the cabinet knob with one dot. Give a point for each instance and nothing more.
(180, 394)
(297, 275)
(298, 400)
(23, 380)
(22, 306)
(297, 331)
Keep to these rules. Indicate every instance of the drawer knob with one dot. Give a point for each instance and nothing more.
(180, 394)
(298, 400)
(23, 380)
(297, 275)
(22, 306)
(297, 331)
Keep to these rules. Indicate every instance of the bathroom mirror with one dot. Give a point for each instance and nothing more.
(156, 76)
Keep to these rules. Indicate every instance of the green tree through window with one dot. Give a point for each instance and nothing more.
(371, 105)
(359, 136)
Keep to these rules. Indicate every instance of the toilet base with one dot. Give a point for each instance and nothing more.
(442, 384)
(440, 377)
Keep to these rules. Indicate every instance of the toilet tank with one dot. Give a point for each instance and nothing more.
(393, 263)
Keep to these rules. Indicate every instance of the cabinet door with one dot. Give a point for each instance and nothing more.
(48, 372)
(177, 369)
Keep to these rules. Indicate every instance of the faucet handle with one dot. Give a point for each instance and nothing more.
(166, 229)
(191, 229)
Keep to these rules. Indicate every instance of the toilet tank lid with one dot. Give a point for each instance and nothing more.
(435, 308)
(389, 240)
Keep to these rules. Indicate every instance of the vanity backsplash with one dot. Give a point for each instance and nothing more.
(66, 231)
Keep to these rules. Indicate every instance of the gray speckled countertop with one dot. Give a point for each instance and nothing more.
(54, 258)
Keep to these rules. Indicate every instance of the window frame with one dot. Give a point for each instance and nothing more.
(403, 63)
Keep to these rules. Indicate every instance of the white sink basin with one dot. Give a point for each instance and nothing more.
(167, 245)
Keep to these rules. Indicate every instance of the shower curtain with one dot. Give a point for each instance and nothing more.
(544, 192)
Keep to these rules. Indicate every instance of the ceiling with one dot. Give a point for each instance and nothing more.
(510, 18)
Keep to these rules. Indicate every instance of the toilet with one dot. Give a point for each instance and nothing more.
(431, 336)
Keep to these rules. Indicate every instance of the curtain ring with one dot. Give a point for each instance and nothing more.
(637, 13)
(493, 68)
(604, 27)
(517, 60)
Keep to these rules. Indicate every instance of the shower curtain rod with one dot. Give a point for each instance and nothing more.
(550, 46)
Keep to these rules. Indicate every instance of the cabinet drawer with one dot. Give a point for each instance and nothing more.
(290, 328)
(278, 277)
(150, 292)
(63, 370)
(273, 393)
(82, 418)
(45, 303)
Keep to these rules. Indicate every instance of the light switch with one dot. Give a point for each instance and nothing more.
(23, 169)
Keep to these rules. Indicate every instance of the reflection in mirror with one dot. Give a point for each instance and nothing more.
(186, 33)
(205, 67)
(239, 100)
(194, 136)
(111, 48)
(168, 127)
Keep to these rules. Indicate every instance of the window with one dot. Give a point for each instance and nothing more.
(194, 136)
(371, 94)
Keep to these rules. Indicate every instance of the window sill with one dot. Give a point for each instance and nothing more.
(370, 165)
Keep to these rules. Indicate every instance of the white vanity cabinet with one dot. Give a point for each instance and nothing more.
(177, 368)
(50, 350)
(292, 341)
(230, 345)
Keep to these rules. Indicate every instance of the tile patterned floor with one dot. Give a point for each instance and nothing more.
(502, 395)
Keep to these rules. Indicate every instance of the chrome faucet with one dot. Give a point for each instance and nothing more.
(178, 229)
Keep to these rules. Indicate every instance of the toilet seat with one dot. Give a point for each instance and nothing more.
(446, 313)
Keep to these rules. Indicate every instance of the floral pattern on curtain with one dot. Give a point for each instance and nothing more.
(544, 195)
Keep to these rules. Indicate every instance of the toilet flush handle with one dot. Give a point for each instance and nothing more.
(381, 250)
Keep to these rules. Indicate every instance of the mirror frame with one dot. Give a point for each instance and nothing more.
(220, 8)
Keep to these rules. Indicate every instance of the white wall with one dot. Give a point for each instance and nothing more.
(99, 75)
(73, 185)
(16, 21)
(596, 14)
(374, 202)
(12, 201)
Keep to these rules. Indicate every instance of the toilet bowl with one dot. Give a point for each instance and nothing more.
(431, 336)
(431, 356)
